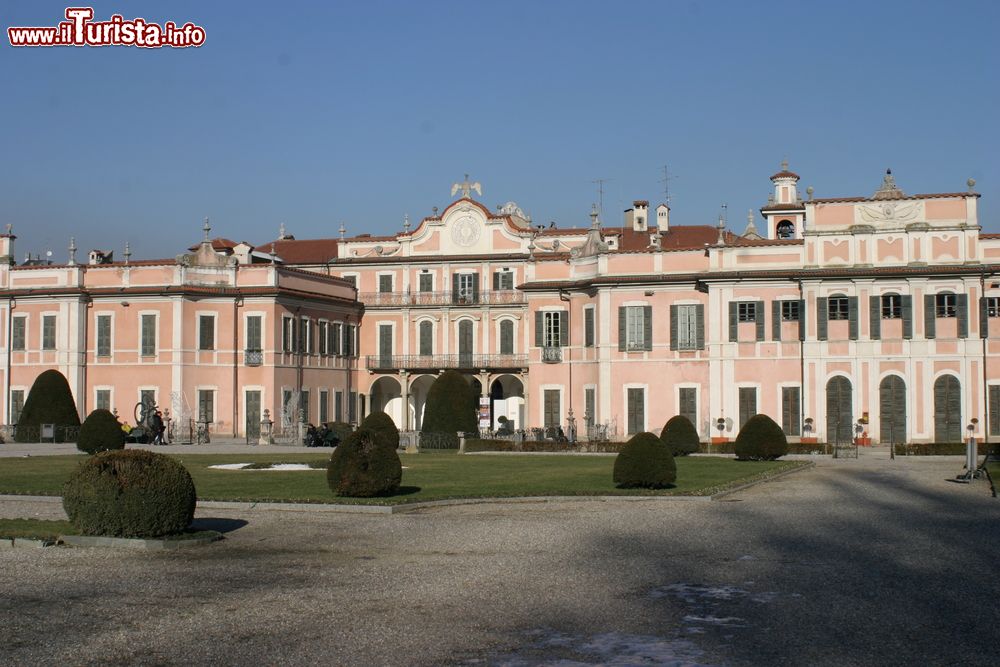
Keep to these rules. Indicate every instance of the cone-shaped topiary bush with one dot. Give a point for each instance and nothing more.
(382, 424)
(130, 493)
(451, 406)
(50, 401)
(680, 436)
(644, 462)
(760, 439)
(100, 432)
(363, 467)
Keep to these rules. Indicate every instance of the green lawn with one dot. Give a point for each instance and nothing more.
(428, 476)
(36, 529)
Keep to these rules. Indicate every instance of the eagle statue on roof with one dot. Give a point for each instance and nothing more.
(466, 187)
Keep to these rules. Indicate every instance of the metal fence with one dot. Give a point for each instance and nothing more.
(43, 433)
(398, 299)
(437, 361)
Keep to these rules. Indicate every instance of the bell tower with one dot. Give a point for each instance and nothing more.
(784, 211)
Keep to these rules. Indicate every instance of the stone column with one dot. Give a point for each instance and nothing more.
(404, 392)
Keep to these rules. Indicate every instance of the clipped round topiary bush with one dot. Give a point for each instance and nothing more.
(382, 424)
(100, 432)
(49, 401)
(363, 467)
(130, 493)
(680, 436)
(760, 439)
(644, 462)
(451, 406)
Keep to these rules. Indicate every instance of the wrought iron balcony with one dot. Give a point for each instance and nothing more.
(551, 355)
(253, 357)
(394, 362)
(401, 299)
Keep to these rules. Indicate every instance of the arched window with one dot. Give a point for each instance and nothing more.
(947, 409)
(892, 410)
(785, 230)
(839, 427)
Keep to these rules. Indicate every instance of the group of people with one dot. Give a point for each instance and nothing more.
(155, 432)
(321, 436)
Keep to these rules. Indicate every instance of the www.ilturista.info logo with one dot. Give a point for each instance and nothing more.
(81, 30)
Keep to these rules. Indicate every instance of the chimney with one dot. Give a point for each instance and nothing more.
(663, 218)
(640, 215)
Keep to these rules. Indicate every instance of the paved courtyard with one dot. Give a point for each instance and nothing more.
(856, 562)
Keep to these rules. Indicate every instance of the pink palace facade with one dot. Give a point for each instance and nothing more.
(881, 309)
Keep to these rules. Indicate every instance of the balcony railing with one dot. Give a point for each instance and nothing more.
(392, 362)
(551, 355)
(253, 357)
(399, 299)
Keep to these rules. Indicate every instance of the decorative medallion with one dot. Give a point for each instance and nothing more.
(465, 231)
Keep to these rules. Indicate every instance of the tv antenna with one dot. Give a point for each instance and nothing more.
(667, 177)
(600, 193)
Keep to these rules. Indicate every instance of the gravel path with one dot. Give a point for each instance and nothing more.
(860, 562)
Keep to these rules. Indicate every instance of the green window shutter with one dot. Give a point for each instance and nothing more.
(790, 410)
(563, 328)
(759, 320)
(734, 323)
(929, 316)
(621, 327)
(852, 317)
(496, 281)
(506, 337)
(454, 288)
(539, 328)
(874, 317)
(984, 321)
(822, 313)
(699, 327)
(588, 327)
(906, 302)
(647, 327)
(775, 320)
(673, 327)
(802, 319)
(892, 410)
(962, 311)
(475, 288)
(994, 409)
(426, 338)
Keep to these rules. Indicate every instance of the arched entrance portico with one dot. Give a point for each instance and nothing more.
(386, 396)
(507, 399)
(419, 387)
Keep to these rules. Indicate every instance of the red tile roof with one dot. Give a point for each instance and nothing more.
(306, 251)
(218, 244)
(784, 173)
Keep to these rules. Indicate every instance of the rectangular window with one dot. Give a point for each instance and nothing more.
(553, 328)
(892, 307)
(352, 406)
(147, 327)
(351, 279)
(16, 404)
(426, 282)
(336, 333)
(551, 408)
(790, 410)
(790, 311)
(102, 399)
(465, 282)
(748, 404)
(590, 406)
(688, 399)
(206, 332)
(338, 406)
(503, 280)
(104, 335)
(323, 326)
(746, 311)
(687, 327)
(993, 306)
(588, 327)
(206, 405)
(994, 406)
(635, 328)
(305, 336)
(945, 305)
(838, 308)
(255, 330)
(304, 406)
(350, 340)
(324, 406)
(147, 396)
(48, 332)
(287, 333)
(18, 332)
(385, 283)
(636, 404)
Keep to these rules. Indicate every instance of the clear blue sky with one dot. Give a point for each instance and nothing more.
(317, 113)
